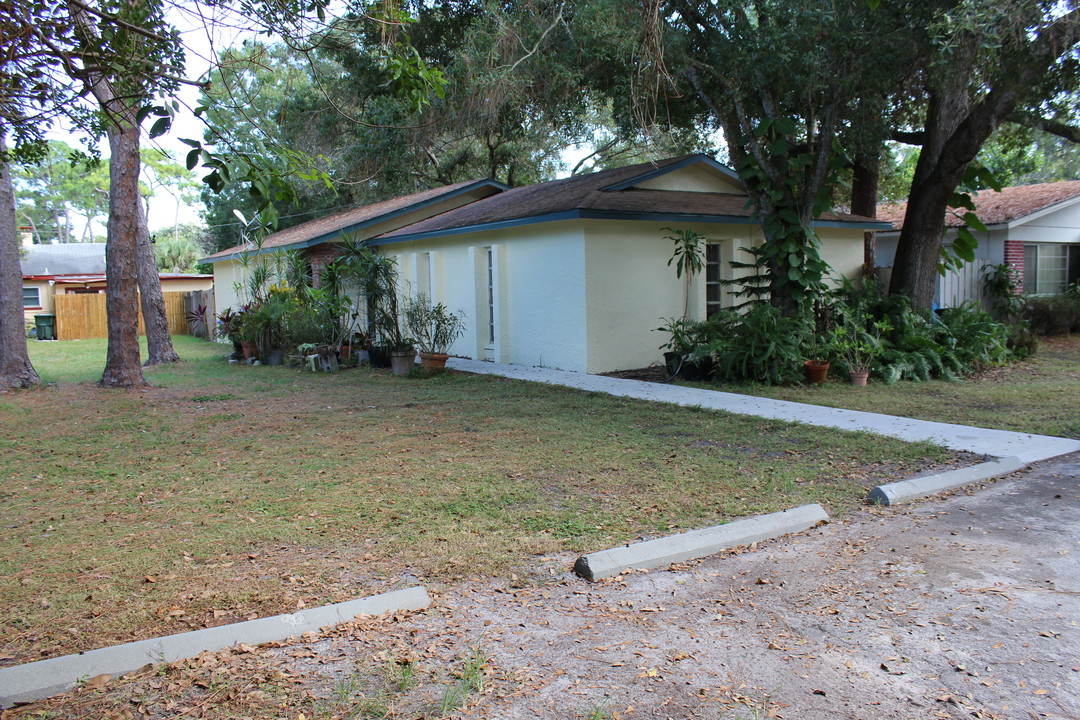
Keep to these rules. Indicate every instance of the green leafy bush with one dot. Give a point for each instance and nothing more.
(1053, 314)
(760, 345)
(919, 345)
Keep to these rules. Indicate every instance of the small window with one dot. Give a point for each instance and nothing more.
(31, 297)
(713, 292)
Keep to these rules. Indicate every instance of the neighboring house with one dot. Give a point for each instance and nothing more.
(68, 268)
(571, 274)
(1033, 228)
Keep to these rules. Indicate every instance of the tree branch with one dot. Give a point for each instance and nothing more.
(1054, 127)
(117, 21)
(917, 137)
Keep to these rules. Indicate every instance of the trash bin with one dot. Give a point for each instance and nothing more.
(46, 326)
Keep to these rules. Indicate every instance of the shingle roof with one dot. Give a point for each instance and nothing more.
(996, 208)
(585, 195)
(329, 225)
(64, 259)
(598, 194)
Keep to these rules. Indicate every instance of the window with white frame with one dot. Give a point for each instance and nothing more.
(1046, 268)
(31, 297)
(713, 289)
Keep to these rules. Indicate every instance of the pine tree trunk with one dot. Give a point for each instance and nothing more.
(15, 367)
(122, 368)
(158, 340)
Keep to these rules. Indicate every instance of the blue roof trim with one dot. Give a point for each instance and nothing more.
(502, 187)
(685, 162)
(614, 215)
(517, 222)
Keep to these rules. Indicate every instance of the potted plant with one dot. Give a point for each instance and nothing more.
(361, 343)
(821, 322)
(689, 348)
(435, 329)
(857, 347)
(400, 347)
(816, 371)
(376, 278)
(230, 323)
(264, 325)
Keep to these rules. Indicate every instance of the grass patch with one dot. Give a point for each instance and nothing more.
(1037, 395)
(228, 491)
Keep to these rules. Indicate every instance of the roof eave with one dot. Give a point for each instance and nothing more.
(1024, 219)
(318, 240)
(580, 214)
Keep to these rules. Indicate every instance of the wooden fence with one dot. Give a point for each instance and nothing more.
(204, 299)
(964, 286)
(957, 286)
(82, 316)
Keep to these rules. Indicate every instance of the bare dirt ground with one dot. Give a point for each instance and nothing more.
(959, 607)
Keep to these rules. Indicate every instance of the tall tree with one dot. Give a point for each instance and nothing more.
(15, 367)
(984, 61)
(782, 81)
(122, 92)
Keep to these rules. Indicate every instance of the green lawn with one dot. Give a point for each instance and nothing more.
(227, 491)
(1038, 395)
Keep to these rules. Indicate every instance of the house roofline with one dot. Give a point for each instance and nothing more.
(325, 237)
(585, 214)
(690, 160)
(1016, 222)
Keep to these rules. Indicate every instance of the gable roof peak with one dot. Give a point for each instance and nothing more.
(664, 167)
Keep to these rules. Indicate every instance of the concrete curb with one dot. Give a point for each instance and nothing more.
(907, 490)
(37, 680)
(697, 543)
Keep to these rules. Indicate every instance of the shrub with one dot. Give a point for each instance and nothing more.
(761, 345)
(975, 339)
(1002, 284)
(920, 345)
(1052, 314)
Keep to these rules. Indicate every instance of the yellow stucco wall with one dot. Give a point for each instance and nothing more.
(575, 295)
(631, 289)
(694, 178)
(44, 293)
(187, 285)
(226, 274)
(842, 249)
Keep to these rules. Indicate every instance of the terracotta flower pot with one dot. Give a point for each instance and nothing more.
(858, 379)
(249, 349)
(433, 361)
(816, 371)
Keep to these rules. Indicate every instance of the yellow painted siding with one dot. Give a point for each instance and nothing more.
(631, 289)
(694, 178)
(842, 249)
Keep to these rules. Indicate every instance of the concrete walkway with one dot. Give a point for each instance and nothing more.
(994, 443)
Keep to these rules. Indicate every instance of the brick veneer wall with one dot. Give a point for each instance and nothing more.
(1014, 257)
(318, 256)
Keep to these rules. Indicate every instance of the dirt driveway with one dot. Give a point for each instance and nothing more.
(956, 608)
(962, 607)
